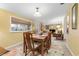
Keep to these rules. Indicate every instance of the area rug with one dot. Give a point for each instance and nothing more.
(55, 50)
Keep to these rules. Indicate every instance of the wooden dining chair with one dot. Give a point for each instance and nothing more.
(29, 44)
(49, 39)
(48, 43)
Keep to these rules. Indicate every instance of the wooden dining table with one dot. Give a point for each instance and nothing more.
(41, 39)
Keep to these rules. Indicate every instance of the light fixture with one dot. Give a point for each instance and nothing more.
(61, 3)
(37, 13)
(58, 26)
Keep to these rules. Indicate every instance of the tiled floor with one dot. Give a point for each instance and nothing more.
(58, 48)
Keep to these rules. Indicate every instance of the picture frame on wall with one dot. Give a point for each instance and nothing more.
(74, 16)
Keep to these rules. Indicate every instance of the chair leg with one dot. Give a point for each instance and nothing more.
(25, 51)
(24, 46)
(25, 54)
(33, 53)
(49, 44)
(47, 51)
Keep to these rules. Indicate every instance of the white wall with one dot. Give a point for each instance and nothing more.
(57, 20)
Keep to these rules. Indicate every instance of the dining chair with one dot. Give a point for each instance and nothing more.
(29, 45)
(49, 39)
(48, 43)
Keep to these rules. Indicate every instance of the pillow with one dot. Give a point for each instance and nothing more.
(3, 51)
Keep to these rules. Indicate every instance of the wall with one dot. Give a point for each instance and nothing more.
(73, 41)
(8, 38)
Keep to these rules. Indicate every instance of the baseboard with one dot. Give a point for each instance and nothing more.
(14, 45)
(70, 50)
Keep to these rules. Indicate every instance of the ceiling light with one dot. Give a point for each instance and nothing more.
(58, 26)
(37, 13)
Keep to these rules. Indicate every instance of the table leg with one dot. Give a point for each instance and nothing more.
(42, 48)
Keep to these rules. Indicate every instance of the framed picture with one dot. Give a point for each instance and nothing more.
(74, 16)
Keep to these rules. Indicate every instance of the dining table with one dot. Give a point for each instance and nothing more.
(41, 39)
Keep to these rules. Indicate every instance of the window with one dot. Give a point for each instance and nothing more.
(18, 25)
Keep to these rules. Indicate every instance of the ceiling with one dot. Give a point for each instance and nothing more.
(49, 11)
